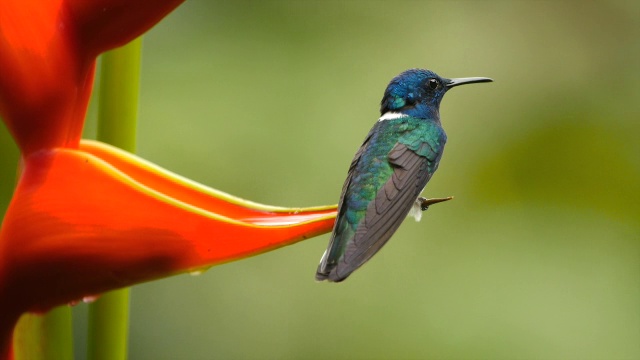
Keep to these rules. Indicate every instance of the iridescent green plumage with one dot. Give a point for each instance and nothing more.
(391, 168)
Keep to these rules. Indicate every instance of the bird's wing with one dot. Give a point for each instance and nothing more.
(394, 199)
(330, 256)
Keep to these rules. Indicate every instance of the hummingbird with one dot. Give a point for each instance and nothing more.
(389, 171)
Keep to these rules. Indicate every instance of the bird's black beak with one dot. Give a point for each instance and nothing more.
(470, 80)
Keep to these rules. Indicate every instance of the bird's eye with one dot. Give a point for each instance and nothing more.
(433, 83)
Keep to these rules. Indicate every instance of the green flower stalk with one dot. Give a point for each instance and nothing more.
(117, 123)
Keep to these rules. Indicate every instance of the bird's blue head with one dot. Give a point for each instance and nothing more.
(418, 92)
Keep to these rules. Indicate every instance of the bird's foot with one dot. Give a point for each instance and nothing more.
(425, 203)
(421, 204)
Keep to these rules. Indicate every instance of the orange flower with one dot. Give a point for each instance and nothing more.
(86, 217)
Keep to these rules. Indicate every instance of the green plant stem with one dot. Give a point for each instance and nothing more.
(44, 337)
(119, 94)
(117, 116)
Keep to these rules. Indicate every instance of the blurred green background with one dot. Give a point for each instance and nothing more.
(538, 256)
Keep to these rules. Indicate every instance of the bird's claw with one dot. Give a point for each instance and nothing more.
(425, 203)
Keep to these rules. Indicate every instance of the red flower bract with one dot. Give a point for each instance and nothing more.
(86, 217)
(78, 226)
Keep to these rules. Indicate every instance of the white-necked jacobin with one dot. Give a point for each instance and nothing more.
(389, 171)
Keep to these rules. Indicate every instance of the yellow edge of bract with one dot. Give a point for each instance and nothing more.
(192, 184)
(115, 172)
